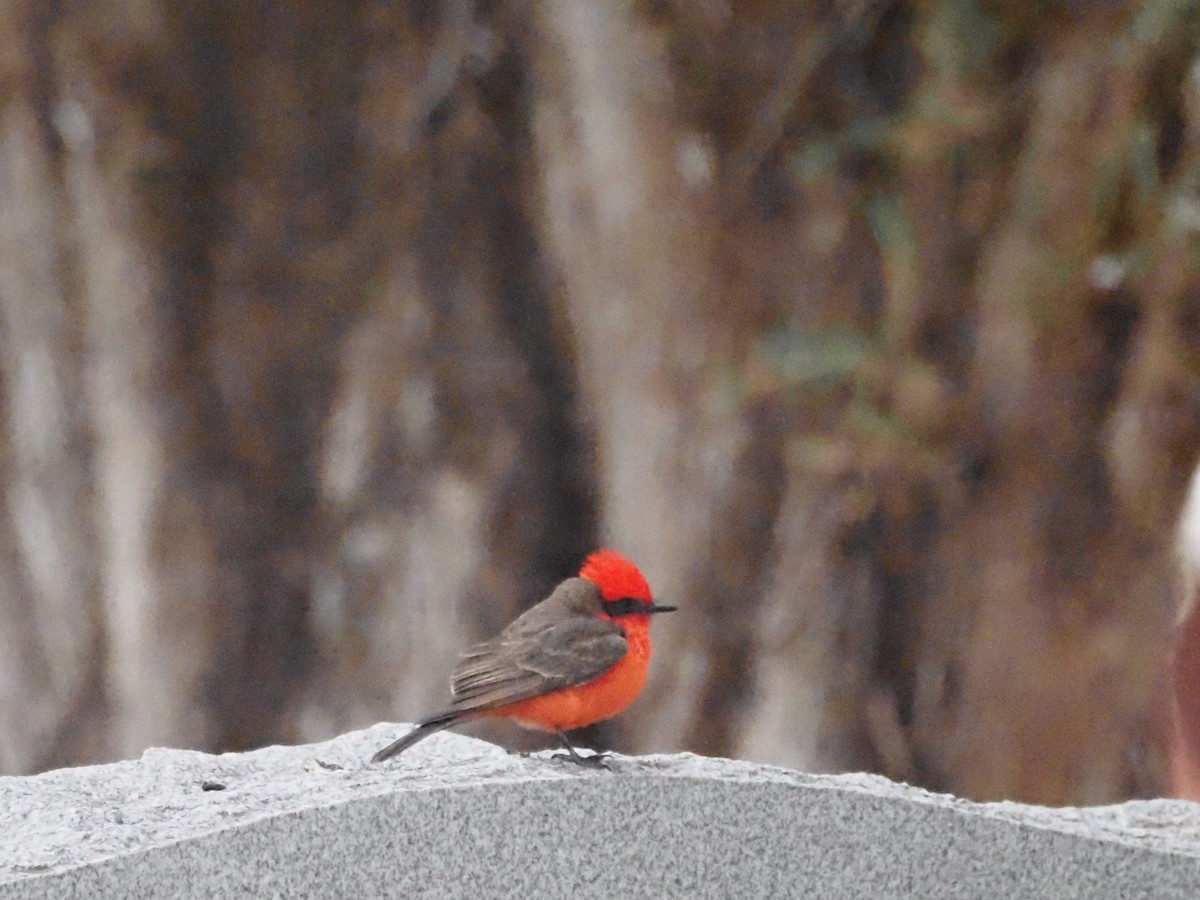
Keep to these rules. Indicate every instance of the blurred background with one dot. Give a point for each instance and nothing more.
(332, 335)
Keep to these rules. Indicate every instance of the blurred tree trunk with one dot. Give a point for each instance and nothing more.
(51, 693)
(632, 239)
(458, 477)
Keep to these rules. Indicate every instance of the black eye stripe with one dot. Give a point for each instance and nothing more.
(625, 606)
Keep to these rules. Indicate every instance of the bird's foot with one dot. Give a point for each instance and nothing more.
(594, 761)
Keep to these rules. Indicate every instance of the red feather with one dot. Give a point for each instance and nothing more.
(615, 576)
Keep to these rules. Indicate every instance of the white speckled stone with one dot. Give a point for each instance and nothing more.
(456, 817)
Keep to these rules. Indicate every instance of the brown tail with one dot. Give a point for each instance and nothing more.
(423, 730)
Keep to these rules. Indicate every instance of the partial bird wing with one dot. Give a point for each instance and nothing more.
(556, 644)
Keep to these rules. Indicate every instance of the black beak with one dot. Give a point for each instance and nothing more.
(658, 609)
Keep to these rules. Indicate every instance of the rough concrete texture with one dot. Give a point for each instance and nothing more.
(456, 817)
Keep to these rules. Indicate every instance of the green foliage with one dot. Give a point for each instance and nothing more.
(961, 39)
(814, 361)
(1158, 19)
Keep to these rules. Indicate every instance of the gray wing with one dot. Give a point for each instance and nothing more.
(556, 644)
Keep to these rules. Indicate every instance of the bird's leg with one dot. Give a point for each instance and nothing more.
(596, 760)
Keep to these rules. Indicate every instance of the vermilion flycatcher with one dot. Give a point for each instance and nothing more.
(578, 657)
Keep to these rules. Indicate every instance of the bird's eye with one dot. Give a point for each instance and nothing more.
(623, 606)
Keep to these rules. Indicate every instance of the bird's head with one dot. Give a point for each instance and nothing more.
(623, 588)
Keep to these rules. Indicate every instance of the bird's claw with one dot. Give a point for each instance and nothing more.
(594, 761)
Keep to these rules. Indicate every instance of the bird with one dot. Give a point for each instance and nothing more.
(578, 657)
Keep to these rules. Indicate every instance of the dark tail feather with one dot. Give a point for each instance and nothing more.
(423, 730)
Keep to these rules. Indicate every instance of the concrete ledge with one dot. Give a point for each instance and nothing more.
(456, 817)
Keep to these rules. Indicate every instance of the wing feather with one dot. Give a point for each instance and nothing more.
(557, 644)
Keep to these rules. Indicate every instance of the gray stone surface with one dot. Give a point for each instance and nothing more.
(456, 817)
